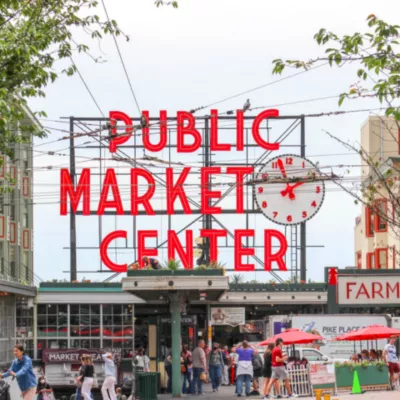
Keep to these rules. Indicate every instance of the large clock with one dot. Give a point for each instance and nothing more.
(287, 189)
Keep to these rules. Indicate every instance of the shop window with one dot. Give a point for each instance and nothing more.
(358, 259)
(369, 222)
(370, 261)
(381, 258)
(381, 224)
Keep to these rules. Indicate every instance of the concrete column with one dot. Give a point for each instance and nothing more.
(175, 309)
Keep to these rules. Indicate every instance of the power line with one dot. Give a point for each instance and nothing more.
(87, 88)
(120, 57)
(259, 87)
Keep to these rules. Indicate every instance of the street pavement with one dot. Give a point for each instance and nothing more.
(229, 393)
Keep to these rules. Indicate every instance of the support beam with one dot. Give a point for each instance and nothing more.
(72, 216)
(175, 309)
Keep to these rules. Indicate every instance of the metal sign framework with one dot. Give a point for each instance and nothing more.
(297, 238)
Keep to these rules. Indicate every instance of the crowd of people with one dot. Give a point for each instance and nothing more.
(241, 366)
(387, 355)
(32, 388)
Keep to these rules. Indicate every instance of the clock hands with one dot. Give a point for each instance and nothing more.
(289, 190)
(281, 167)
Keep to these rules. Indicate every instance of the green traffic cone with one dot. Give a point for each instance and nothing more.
(356, 384)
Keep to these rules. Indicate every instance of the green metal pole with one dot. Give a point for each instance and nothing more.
(176, 344)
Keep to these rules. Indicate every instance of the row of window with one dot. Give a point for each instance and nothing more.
(379, 259)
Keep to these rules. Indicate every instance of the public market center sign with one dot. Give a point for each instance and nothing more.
(188, 140)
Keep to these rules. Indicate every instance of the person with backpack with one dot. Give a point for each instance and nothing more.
(257, 362)
(215, 365)
(227, 365)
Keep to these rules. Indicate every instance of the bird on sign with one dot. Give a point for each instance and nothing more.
(246, 105)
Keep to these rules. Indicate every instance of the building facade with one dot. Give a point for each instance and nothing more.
(17, 290)
(376, 232)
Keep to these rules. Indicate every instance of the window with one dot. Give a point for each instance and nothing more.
(25, 187)
(2, 269)
(312, 355)
(380, 215)
(369, 222)
(1, 203)
(394, 256)
(370, 261)
(381, 258)
(358, 259)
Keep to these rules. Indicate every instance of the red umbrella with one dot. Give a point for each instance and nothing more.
(292, 336)
(372, 332)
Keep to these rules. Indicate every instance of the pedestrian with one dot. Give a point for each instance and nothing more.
(108, 388)
(168, 370)
(119, 394)
(199, 367)
(234, 361)
(244, 368)
(139, 360)
(267, 371)
(373, 356)
(226, 367)
(364, 355)
(379, 354)
(43, 389)
(146, 361)
(21, 369)
(87, 378)
(390, 356)
(278, 370)
(355, 358)
(215, 365)
(187, 370)
(258, 364)
(78, 395)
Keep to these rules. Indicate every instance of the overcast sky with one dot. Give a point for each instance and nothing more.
(198, 54)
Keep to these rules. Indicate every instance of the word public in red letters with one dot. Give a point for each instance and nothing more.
(188, 140)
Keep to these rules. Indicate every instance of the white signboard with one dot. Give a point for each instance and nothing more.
(331, 326)
(233, 316)
(321, 373)
(368, 289)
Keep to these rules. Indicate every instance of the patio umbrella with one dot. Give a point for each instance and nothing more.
(372, 332)
(292, 336)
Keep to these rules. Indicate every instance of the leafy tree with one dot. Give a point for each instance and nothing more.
(377, 53)
(34, 35)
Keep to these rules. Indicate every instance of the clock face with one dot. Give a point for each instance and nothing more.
(292, 201)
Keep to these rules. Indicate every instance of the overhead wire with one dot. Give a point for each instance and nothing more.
(121, 58)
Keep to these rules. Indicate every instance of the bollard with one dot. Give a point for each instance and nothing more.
(318, 394)
(327, 396)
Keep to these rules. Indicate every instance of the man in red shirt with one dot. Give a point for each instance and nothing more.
(279, 370)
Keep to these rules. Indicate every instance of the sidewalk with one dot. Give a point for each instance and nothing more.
(229, 393)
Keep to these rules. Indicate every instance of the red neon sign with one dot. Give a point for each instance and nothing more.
(188, 140)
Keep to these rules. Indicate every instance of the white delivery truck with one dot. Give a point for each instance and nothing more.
(330, 326)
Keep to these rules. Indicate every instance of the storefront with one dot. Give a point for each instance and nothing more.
(17, 319)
